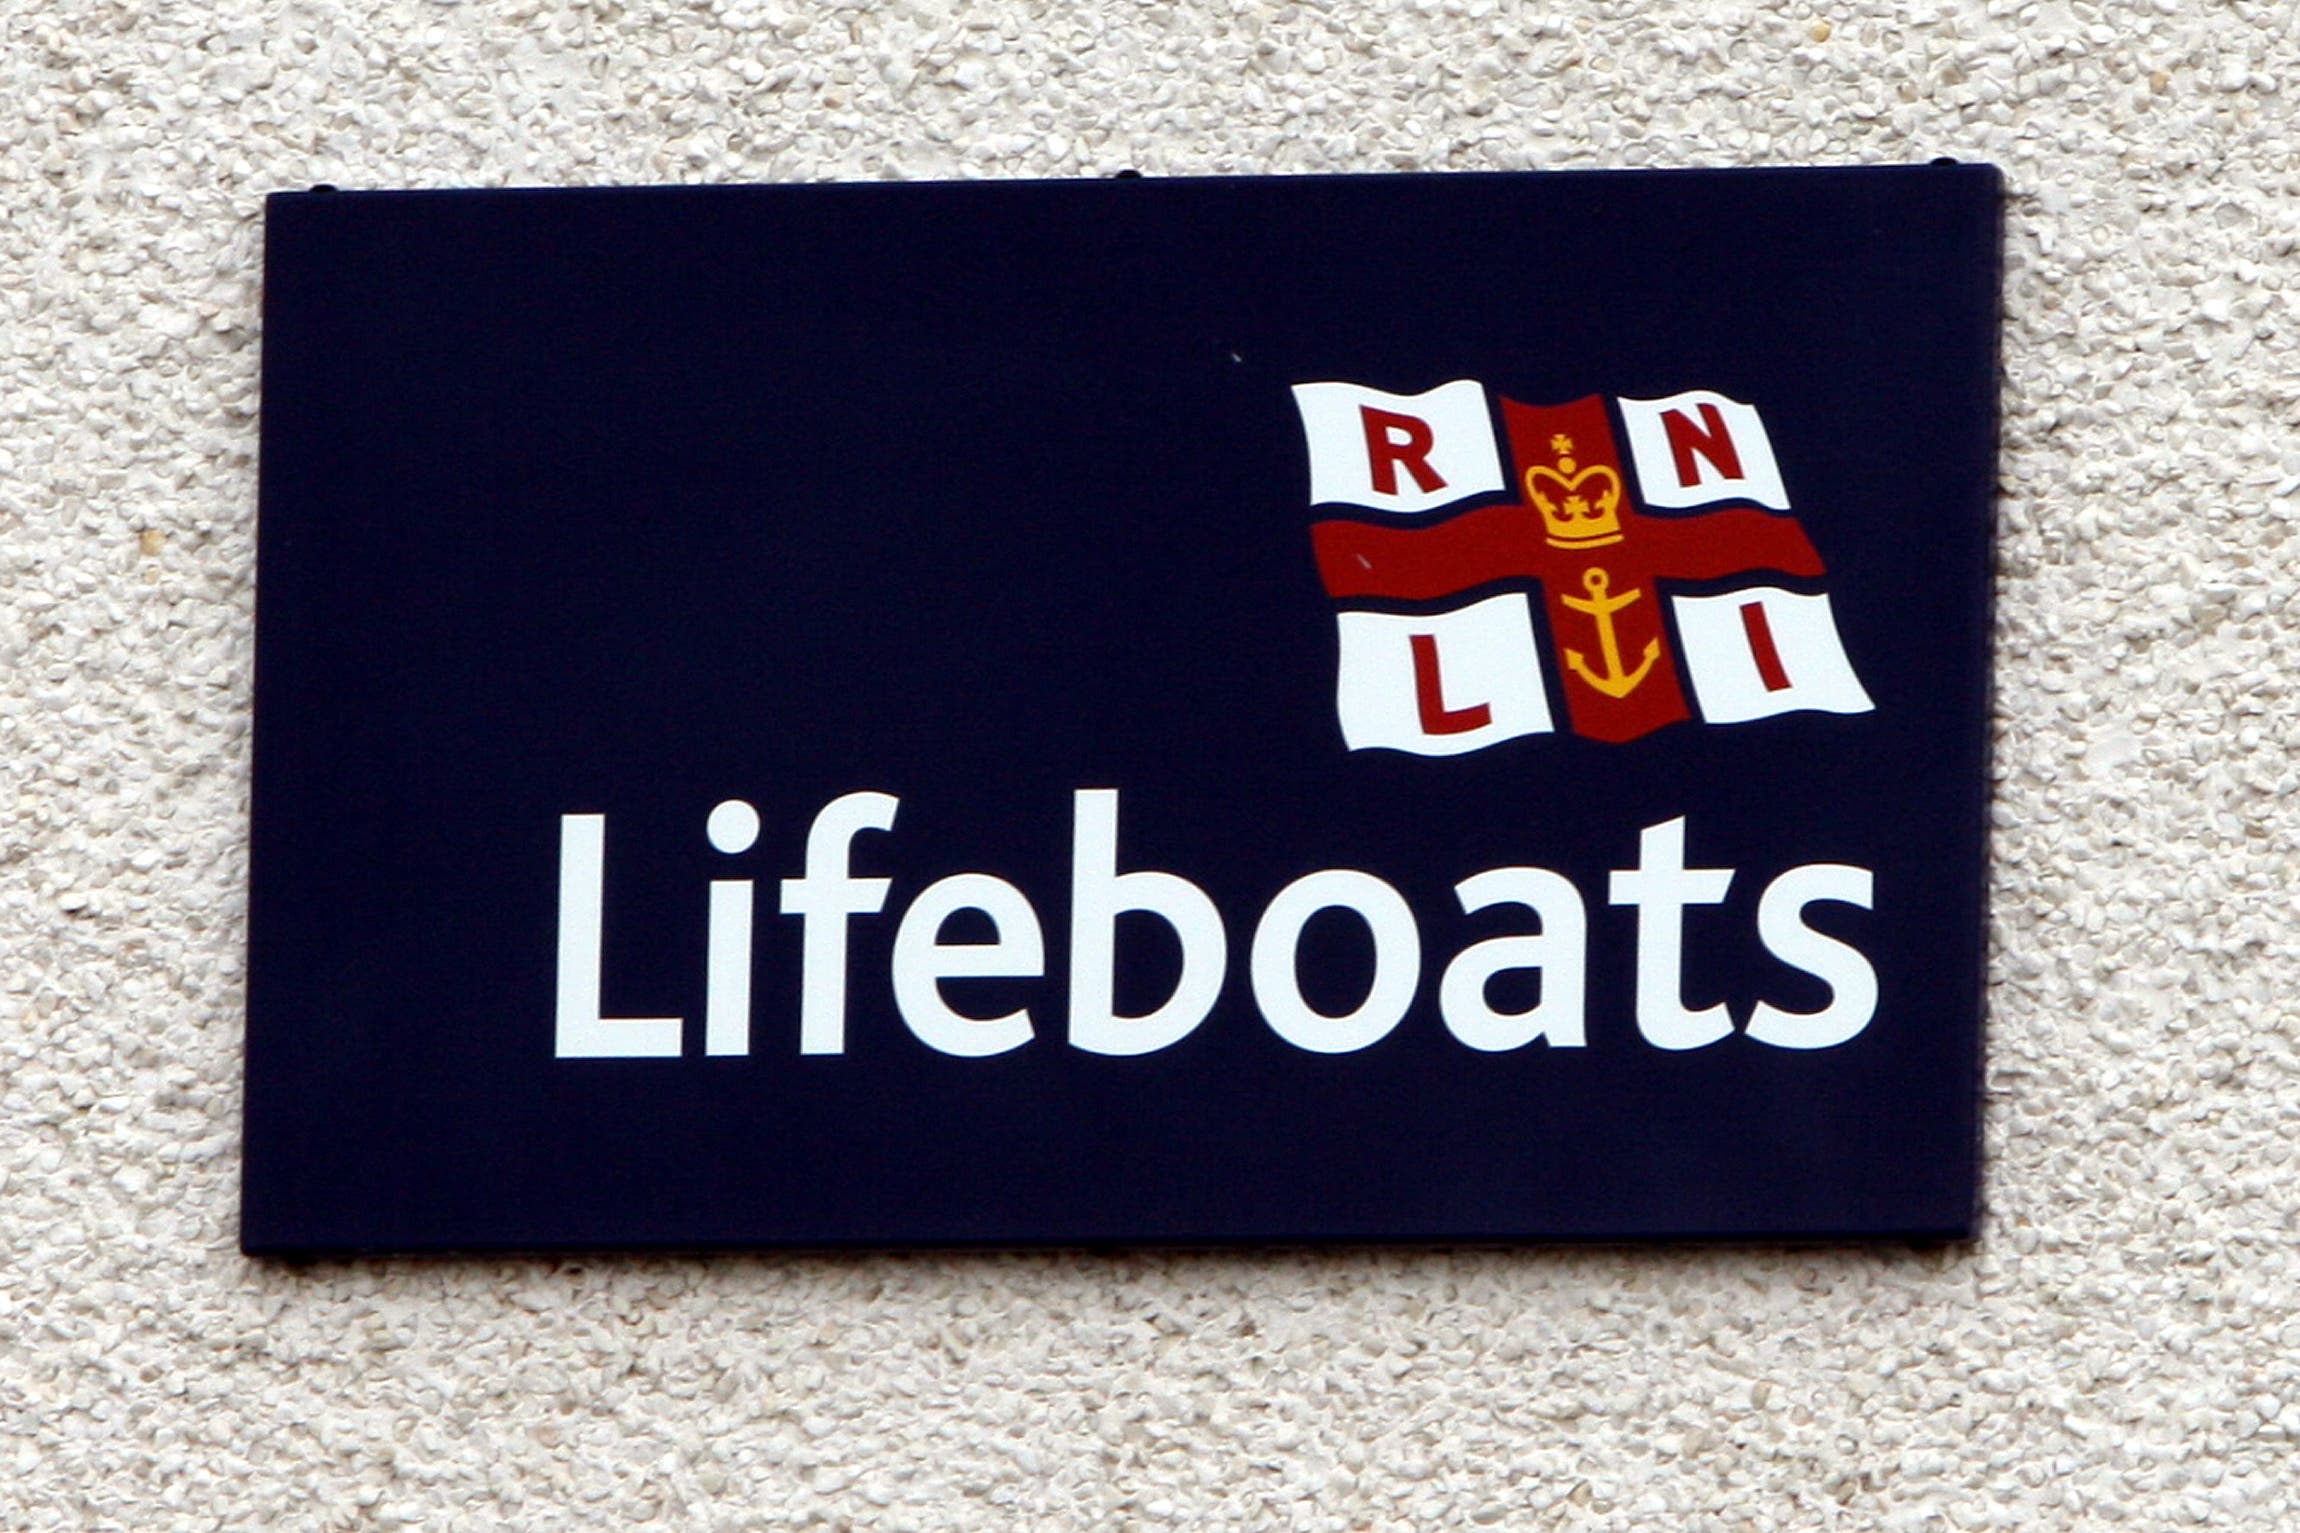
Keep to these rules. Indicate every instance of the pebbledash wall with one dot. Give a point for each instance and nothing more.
(2121, 1348)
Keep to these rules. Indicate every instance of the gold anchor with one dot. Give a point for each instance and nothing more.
(1615, 682)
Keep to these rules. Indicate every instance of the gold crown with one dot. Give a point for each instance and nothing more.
(1579, 509)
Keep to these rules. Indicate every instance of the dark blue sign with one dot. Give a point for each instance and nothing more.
(1409, 708)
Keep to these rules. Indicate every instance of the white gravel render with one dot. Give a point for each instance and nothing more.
(2120, 1349)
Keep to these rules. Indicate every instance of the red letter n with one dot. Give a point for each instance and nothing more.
(1395, 439)
(1710, 439)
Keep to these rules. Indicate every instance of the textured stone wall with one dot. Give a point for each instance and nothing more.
(2119, 1350)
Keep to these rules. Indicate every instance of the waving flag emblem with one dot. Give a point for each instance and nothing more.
(1448, 664)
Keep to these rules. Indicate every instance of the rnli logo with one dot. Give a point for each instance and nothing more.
(1440, 652)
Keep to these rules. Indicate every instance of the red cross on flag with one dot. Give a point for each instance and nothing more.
(1571, 520)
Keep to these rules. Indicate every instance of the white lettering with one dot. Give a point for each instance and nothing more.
(1397, 961)
(828, 894)
(1099, 894)
(824, 898)
(1560, 951)
(733, 829)
(1661, 886)
(582, 1033)
(922, 960)
(1853, 983)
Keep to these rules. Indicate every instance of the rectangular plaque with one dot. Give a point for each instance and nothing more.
(1399, 708)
